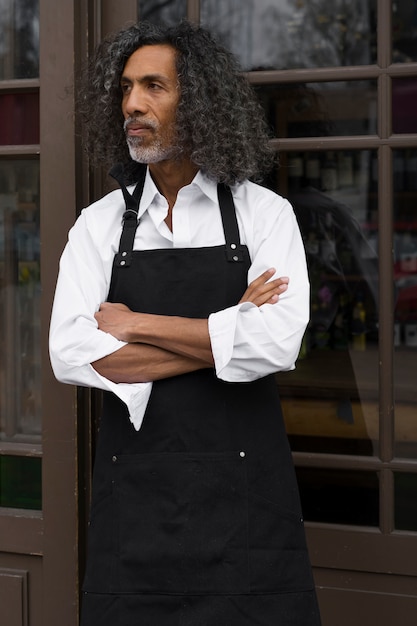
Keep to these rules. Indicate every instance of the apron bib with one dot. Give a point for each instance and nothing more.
(195, 518)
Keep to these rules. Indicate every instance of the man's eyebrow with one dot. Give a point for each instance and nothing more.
(147, 78)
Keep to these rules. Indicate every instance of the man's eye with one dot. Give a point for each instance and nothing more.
(125, 88)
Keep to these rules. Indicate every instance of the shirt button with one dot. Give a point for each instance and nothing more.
(114, 458)
(242, 454)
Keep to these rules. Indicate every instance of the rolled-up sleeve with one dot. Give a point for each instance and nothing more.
(249, 342)
(74, 339)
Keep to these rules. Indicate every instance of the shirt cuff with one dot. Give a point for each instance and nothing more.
(134, 395)
(222, 328)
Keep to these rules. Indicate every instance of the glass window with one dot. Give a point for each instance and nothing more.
(168, 12)
(20, 384)
(19, 39)
(339, 496)
(404, 112)
(304, 33)
(405, 501)
(330, 400)
(21, 482)
(321, 109)
(21, 110)
(405, 277)
(404, 29)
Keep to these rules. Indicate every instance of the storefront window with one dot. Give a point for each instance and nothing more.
(405, 277)
(169, 12)
(21, 482)
(321, 109)
(331, 399)
(405, 501)
(20, 367)
(19, 39)
(286, 35)
(404, 31)
(404, 112)
(339, 496)
(21, 110)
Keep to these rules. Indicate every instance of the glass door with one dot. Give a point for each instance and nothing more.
(337, 81)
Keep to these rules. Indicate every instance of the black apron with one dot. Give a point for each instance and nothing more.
(195, 518)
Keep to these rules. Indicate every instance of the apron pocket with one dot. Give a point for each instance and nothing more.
(278, 554)
(182, 522)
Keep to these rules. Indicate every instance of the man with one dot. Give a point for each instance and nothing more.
(195, 517)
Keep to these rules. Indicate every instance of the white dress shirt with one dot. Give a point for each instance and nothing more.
(247, 341)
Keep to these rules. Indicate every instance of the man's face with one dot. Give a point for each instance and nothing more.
(150, 97)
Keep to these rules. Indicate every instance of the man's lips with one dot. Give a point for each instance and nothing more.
(136, 130)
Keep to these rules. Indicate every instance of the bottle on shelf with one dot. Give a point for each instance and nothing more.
(328, 243)
(313, 169)
(329, 180)
(411, 170)
(345, 168)
(295, 171)
(358, 325)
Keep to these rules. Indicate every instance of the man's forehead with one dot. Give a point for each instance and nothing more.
(156, 59)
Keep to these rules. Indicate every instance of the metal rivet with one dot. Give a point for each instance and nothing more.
(235, 258)
(233, 246)
(124, 253)
(242, 454)
(122, 262)
(114, 458)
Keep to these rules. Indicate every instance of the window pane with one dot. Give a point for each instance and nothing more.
(19, 39)
(405, 501)
(330, 400)
(21, 482)
(404, 113)
(404, 24)
(339, 496)
(405, 274)
(169, 12)
(276, 34)
(20, 388)
(21, 110)
(321, 109)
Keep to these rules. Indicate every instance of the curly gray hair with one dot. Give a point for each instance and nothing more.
(220, 123)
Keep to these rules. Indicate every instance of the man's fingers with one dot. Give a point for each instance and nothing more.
(262, 290)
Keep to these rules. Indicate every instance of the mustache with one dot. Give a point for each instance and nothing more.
(144, 123)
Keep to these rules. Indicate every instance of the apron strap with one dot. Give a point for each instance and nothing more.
(234, 249)
(130, 217)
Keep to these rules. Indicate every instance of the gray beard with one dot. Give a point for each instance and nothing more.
(148, 154)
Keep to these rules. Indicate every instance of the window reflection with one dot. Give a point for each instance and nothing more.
(21, 482)
(20, 389)
(339, 496)
(321, 109)
(405, 320)
(404, 31)
(404, 113)
(19, 39)
(276, 34)
(405, 501)
(21, 110)
(330, 400)
(168, 12)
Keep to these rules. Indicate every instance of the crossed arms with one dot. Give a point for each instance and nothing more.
(160, 346)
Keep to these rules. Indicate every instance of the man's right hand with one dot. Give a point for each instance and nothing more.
(262, 290)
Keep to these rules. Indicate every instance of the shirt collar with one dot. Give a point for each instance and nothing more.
(150, 191)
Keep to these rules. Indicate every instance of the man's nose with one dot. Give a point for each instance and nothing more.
(135, 101)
